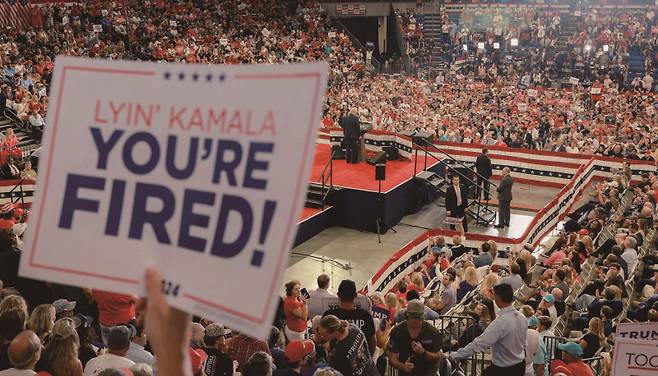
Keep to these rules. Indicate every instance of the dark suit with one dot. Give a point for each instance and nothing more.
(483, 168)
(504, 200)
(455, 210)
(352, 132)
(3, 103)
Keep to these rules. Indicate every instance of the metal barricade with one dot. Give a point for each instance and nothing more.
(596, 364)
(475, 365)
(551, 347)
(451, 328)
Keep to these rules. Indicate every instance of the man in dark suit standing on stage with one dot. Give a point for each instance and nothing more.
(504, 198)
(483, 168)
(352, 132)
(457, 202)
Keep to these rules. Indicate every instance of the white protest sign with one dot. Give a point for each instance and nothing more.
(574, 80)
(361, 301)
(173, 23)
(206, 187)
(635, 358)
(98, 28)
(647, 331)
(532, 92)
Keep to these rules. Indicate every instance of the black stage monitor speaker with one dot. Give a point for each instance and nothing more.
(338, 152)
(380, 157)
(391, 152)
(380, 171)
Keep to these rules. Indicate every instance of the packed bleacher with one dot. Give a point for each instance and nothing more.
(596, 271)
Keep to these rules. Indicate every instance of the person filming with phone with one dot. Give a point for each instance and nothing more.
(296, 311)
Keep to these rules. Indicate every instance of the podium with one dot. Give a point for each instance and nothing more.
(365, 127)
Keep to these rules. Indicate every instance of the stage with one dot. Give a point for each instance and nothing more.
(355, 202)
(361, 176)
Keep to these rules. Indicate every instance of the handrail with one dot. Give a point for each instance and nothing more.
(401, 44)
(328, 164)
(427, 144)
(356, 42)
(471, 181)
(13, 116)
(11, 192)
(330, 176)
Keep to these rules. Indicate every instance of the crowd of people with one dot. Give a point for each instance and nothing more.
(521, 96)
(411, 27)
(201, 32)
(510, 300)
(508, 95)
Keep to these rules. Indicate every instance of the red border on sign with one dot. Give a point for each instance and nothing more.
(291, 220)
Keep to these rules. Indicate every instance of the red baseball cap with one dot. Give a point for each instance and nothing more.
(197, 356)
(297, 350)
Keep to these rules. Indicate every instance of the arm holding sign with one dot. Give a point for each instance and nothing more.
(167, 329)
(383, 335)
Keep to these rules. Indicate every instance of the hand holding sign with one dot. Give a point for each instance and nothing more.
(166, 328)
(205, 187)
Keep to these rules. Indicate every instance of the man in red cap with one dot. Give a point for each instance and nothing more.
(7, 219)
(300, 354)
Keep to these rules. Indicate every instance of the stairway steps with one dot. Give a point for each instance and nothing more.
(25, 140)
(315, 195)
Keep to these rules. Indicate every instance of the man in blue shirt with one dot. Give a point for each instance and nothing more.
(506, 336)
(9, 73)
(26, 82)
(485, 257)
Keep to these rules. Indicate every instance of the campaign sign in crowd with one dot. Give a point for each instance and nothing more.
(187, 169)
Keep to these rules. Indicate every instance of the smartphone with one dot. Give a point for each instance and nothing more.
(305, 293)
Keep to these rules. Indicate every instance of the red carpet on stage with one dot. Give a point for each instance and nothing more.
(362, 176)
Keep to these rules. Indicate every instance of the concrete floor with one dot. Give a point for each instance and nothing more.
(350, 254)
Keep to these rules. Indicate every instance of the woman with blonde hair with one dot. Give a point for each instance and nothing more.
(338, 333)
(11, 302)
(489, 281)
(526, 257)
(525, 263)
(468, 283)
(60, 356)
(594, 339)
(392, 303)
(417, 283)
(457, 248)
(377, 299)
(589, 243)
(42, 320)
